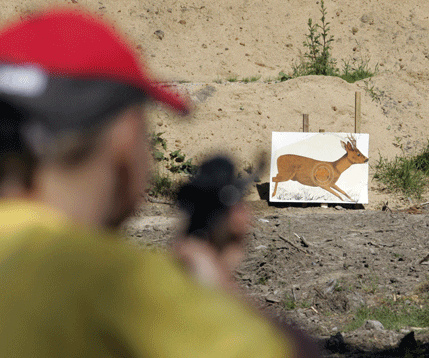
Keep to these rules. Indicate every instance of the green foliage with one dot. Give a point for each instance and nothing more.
(318, 58)
(156, 140)
(338, 287)
(160, 185)
(305, 304)
(251, 79)
(262, 280)
(283, 77)
(408, 175)
(177, 156)
(352, 73)
(179, 165)
(371, 284)
(174, 162)
(373, 92)
(421, 161)
(232, 79)
(289, 303)
(318, 42)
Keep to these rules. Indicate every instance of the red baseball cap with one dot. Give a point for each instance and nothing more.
(68, 43)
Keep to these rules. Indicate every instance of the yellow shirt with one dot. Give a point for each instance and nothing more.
(76, 292)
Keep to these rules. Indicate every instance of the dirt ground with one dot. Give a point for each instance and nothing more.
(316, 266)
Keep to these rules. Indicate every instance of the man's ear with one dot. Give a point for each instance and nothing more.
(124, 132)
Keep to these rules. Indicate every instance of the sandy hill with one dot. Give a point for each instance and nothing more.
(203, 42)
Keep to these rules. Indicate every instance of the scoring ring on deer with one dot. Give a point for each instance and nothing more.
(322, 174)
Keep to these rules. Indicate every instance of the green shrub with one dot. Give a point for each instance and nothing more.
(318, 60)
(173, 162)
(406, 174)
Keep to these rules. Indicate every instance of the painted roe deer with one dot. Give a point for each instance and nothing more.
(313, 172)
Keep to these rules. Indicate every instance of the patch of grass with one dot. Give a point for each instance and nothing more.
(305, 304)
(371, 285)
(262, 280)
(393, 315)
(217, 80)
(358, 72)
(161, 185)
(232, 79)
(421, 160)
(405, 174)
(251, 79)
(422, 289)
(289, 303)
(373, 92)
(338, 287)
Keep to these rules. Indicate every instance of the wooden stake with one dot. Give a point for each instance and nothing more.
(305, 123)
(358, 120)
(358, 117)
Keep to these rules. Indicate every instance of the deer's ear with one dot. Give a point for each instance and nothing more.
(343, 144)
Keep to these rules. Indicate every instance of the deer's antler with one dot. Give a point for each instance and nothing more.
(352, 140)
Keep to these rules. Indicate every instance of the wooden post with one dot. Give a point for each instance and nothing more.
(358, 117)
(358, 120)
(305, 123)
(305, 128)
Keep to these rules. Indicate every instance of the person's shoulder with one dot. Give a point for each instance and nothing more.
(137, 289)
(209, 322)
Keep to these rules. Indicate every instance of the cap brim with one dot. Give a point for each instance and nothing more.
(162, 94)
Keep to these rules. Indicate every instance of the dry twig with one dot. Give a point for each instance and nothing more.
(293, 245)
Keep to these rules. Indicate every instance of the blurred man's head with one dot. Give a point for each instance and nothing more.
(73, 133)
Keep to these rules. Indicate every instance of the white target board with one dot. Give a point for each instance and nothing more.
(319, 167)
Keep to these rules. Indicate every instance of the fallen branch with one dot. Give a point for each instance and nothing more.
(314, 309)
(302, 238)
(293, 245)
(424, 259)
(320, 293)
